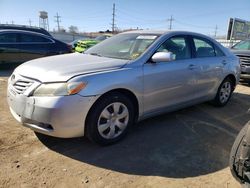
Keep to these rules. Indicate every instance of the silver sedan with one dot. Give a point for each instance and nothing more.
(126, 78)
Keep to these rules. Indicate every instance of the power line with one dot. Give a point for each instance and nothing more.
(214, 13)
(192, 25)
(138, 18)
(58, 21)
(170, 22)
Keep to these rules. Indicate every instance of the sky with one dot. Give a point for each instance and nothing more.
(96, 15)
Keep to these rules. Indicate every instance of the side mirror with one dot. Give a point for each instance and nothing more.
(162, 57)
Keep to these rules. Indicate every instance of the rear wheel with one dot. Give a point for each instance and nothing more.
(109, 119)
(224, 93)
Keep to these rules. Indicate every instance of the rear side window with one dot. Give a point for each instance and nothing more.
(178, 46)
(218, 51)
(26, 38)
(8, 38)
(205, 48)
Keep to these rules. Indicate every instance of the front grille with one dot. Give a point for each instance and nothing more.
(245, 60)
(21, 86)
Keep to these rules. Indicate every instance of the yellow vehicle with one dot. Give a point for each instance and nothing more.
(83, 45)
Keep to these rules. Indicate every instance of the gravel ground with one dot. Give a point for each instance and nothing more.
(187, 148)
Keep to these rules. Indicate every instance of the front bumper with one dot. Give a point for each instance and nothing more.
(60, 116)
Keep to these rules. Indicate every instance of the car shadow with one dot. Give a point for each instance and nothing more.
(187, 143)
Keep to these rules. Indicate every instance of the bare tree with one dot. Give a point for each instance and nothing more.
(73, 29)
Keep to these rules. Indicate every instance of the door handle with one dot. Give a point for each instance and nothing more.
(224, 62)
(192, 67)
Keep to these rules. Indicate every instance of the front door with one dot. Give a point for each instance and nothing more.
(169, 83)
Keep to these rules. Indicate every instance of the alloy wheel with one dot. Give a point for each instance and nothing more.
(113, 120)
(225, 92)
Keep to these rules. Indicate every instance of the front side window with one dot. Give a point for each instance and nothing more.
(243, 45)
(32, 39)
(123, 46)
(8, 38)
(178, 46)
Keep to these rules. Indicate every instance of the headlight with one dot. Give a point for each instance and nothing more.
(59, 89)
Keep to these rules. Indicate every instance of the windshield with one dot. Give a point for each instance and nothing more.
(243, 45)
(123, 46)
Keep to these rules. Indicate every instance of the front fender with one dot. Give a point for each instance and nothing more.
(102, 82)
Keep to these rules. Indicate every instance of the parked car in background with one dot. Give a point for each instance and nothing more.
(83, 45)
(74, 43)
(242, 50)
(128, 77)
(18, 46)
(25, 28)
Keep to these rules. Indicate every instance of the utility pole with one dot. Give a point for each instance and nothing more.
(113, 19)
(58, 21)
(12, 22)
(30, 22)
(215, 31)
(170, 22)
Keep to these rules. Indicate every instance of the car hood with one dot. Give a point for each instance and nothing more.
(63, 67)
(241, 52)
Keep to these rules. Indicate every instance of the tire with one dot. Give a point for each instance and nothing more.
(110, 118)
(235, 151)
(224, 93)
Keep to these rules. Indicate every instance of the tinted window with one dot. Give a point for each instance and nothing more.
(8, 38)
(178, 46)
(32, 38)
(218, 51)
(203, 48)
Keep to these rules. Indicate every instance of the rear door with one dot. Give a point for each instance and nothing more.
(33, 46)
(9, 52)
(209, 63)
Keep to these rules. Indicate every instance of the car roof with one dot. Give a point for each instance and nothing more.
(165, 32)
(25, 28)
(161, 32)
(22, 31)
(147, 32)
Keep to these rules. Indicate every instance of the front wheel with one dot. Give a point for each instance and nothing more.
(224, 93)
(109, 119)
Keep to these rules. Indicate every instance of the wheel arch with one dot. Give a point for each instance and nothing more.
(123, 91)
(232, 78)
